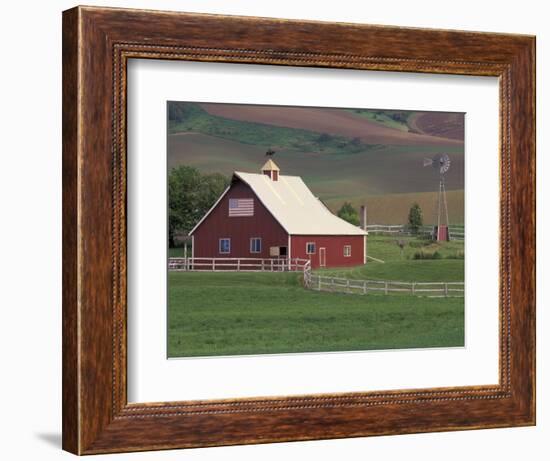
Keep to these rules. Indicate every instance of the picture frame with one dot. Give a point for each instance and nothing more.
(97, 44)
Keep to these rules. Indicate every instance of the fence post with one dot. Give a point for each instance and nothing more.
(331, 284)
(364, 287)
(238, 265)
(413, 287)
(347, 286)
(385, 288)
(446, 290)
(213, 264)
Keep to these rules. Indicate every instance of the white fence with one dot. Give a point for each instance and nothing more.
(455, 232)
(238, 264)
(314, 281)
(386, 287)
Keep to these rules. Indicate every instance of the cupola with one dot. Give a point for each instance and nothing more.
(271, 170)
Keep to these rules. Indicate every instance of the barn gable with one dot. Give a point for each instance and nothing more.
(291, 204)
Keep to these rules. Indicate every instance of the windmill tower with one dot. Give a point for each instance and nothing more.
(441, 163)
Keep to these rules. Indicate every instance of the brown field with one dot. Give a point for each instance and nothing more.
(394, 208)
(442, 124)
(379, 171)
(332, 121)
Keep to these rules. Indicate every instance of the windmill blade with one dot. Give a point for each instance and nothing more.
(444, 164)
(428, 161)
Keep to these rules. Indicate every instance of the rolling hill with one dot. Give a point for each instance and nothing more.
(383, 168)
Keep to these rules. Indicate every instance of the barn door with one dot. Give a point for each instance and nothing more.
(322, 257)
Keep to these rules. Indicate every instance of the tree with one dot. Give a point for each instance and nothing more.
(415, 218)
(348, 213)
(190, 195)
(323, 138)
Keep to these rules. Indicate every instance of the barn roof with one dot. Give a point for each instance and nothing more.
(294, 206)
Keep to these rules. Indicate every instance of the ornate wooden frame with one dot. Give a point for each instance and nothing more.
(97, 43)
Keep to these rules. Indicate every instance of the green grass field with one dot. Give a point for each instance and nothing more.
(260, 313)
(403, 267)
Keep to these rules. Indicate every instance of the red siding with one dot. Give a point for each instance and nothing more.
(240, 230)
(334, 249)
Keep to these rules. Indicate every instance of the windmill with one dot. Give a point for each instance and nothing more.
(441, 163)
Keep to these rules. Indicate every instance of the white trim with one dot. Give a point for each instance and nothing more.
(314, 248)
(219, 245)
(365, 249)
(250, 244)
(322, 256)
(210, 210)
(347, 255)
(289, 255)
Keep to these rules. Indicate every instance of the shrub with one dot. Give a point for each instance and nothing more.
(458, 255)
(427, 255)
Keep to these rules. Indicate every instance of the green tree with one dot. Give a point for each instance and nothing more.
(190, 195)
(348, 213)
(415, 218)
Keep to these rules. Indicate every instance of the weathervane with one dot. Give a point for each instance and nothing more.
(441, 163)
(270, 152)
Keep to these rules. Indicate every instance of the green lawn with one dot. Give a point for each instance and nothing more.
(402, 266)
(258, 313)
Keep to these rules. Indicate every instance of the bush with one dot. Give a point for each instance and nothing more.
(427, 255)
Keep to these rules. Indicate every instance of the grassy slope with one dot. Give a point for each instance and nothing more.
(381, 117)
(254, 313)
(198, 120)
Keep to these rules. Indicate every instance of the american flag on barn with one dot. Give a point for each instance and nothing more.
(241, 207)
(269, 215)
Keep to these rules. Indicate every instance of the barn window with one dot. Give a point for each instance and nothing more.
(347, 251)
(225, 246)
(310, 248)
(255, 245)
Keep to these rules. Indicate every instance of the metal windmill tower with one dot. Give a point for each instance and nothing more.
(441, 163)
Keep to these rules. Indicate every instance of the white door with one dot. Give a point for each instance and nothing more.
(322, 257)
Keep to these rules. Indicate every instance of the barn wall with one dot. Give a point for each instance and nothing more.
(239, 229)
(334, 245)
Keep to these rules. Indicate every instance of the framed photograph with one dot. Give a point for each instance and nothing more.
(282, 230)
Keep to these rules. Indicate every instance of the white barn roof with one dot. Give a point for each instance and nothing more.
(294, 206)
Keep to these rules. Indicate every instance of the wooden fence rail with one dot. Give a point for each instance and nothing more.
(455, 232)
(314, 281)
(237, 264)
(363, 287)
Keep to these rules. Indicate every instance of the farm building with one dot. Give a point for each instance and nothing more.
(270, 215)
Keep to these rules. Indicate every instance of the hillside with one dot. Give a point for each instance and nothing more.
(361, 156)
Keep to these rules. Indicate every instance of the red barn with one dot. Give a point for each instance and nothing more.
(270, 215)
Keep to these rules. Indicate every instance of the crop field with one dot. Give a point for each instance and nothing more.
(260, 313)
(359, 156)
(339, 122)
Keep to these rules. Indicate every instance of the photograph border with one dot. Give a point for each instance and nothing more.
(97, 44)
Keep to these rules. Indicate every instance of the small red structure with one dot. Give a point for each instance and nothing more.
(269, 215)
(442, 233)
